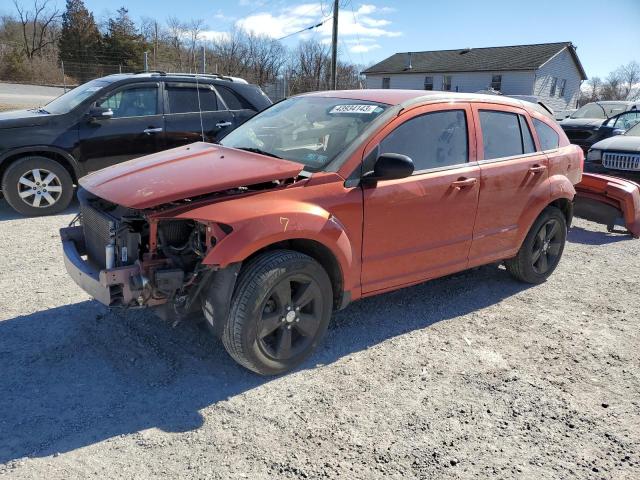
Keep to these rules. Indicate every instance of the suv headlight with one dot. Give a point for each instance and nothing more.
(594, 155)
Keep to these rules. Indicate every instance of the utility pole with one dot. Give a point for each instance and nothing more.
(334, 47)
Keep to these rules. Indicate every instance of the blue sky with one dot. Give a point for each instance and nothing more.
(606, 33)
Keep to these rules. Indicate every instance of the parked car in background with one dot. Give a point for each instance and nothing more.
(44, 151)
(617, 155)
(323, 199)
(582, 127)
(560, 115)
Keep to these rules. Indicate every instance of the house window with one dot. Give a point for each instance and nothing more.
(386, 82)
(496, 82)
(554, 83)
(446, 83)
(563, 85)
(428, 83)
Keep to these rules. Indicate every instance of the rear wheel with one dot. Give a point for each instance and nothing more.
(279, 312)
(542, 249)
(36, 186)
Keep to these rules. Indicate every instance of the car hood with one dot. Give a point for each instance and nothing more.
(621, 143)
(582, 122)
(23, 118)
(184, 172)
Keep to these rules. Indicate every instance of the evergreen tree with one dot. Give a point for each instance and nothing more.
(80, 41)
(123, 43)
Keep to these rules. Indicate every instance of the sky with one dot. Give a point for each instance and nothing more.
(605, 33)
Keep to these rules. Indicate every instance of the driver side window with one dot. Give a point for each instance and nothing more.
(627, 120)
(132, 102)
(432, 140)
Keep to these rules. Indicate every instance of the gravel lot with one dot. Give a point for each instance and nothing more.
(471, 376)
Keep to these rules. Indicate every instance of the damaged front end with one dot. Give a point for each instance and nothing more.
(127, 258)
(611, 201)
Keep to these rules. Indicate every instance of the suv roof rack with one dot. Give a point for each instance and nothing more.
(209, 75)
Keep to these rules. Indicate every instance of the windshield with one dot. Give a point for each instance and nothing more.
(633, 131)
(65, 103)
(307, 130)
(599, 110)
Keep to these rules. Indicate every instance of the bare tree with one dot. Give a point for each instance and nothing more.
(38, 26)
(266, 58)
(176, 32)
(629, 75)
(193, 29)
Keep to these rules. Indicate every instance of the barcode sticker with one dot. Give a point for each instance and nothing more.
(354, 109)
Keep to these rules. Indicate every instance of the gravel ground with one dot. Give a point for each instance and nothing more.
(16, 95)
(471, 376)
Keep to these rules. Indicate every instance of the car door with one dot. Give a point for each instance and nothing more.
(132, 130)
(193, 113)
(514, 174)
(421, 227)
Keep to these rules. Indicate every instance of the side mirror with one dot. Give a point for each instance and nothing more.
(390, 166)
(618, 131)
(100, 112)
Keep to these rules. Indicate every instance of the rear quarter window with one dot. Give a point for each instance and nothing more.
(232, 99)
(549, 138)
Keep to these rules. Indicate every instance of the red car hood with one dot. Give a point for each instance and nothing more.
(184, 172)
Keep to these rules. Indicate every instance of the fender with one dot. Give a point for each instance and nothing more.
(77, 169)
(558, 187)
(259, 223)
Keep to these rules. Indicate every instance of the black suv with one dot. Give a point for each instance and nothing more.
(109, 120)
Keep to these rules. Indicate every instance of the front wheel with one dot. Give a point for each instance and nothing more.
(542, 248)
(36, 186)
(279, 313)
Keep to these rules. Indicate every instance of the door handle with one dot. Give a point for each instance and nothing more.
(537, 169)
(149, 131)
(223, 124)
(464, 182)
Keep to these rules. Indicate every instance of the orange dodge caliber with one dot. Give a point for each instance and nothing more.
(320, 200)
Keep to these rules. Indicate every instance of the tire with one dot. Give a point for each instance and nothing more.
(280, 311)
(26, 191)
(542, 248)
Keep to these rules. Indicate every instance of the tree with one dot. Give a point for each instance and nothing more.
(80, 41)
(630, 81)
(37, 27)
(123, 45)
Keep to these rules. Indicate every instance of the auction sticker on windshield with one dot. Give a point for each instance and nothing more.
(354, 109)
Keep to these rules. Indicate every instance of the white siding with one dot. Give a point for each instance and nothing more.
(561, 67)
(513, 83)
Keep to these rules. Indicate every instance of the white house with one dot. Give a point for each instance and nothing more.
(551, 72)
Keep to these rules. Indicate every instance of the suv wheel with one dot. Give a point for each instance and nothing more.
(542, 249)
(37, 186)
(279, 313)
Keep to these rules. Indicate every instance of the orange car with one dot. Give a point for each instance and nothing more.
(320, 200)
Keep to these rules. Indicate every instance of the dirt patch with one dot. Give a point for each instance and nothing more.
(471, 376)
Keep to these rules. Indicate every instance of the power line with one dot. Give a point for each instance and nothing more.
(307, 28)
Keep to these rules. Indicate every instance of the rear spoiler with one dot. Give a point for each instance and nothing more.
(609, 200)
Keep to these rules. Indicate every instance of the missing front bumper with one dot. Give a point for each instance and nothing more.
(113, 287)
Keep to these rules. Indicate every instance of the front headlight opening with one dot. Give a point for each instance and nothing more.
(594, 155)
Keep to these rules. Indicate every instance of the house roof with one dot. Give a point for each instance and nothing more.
(489, 59)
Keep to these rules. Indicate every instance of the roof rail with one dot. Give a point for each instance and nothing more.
(209, 75)
(159, 72)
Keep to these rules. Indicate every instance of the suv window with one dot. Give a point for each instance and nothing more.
(549, 138)
(233, 101)
(433, 140)
(132, 102)
(501, 135)
(183, 98)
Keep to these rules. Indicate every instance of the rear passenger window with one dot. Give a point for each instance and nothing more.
(184, 98)
(549, 138)
(233, 101)
(527, 138)
(500, 134)
(433, 140)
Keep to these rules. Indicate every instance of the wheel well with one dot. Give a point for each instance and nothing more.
(566, 207)
(47, 154)
(320, 254)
